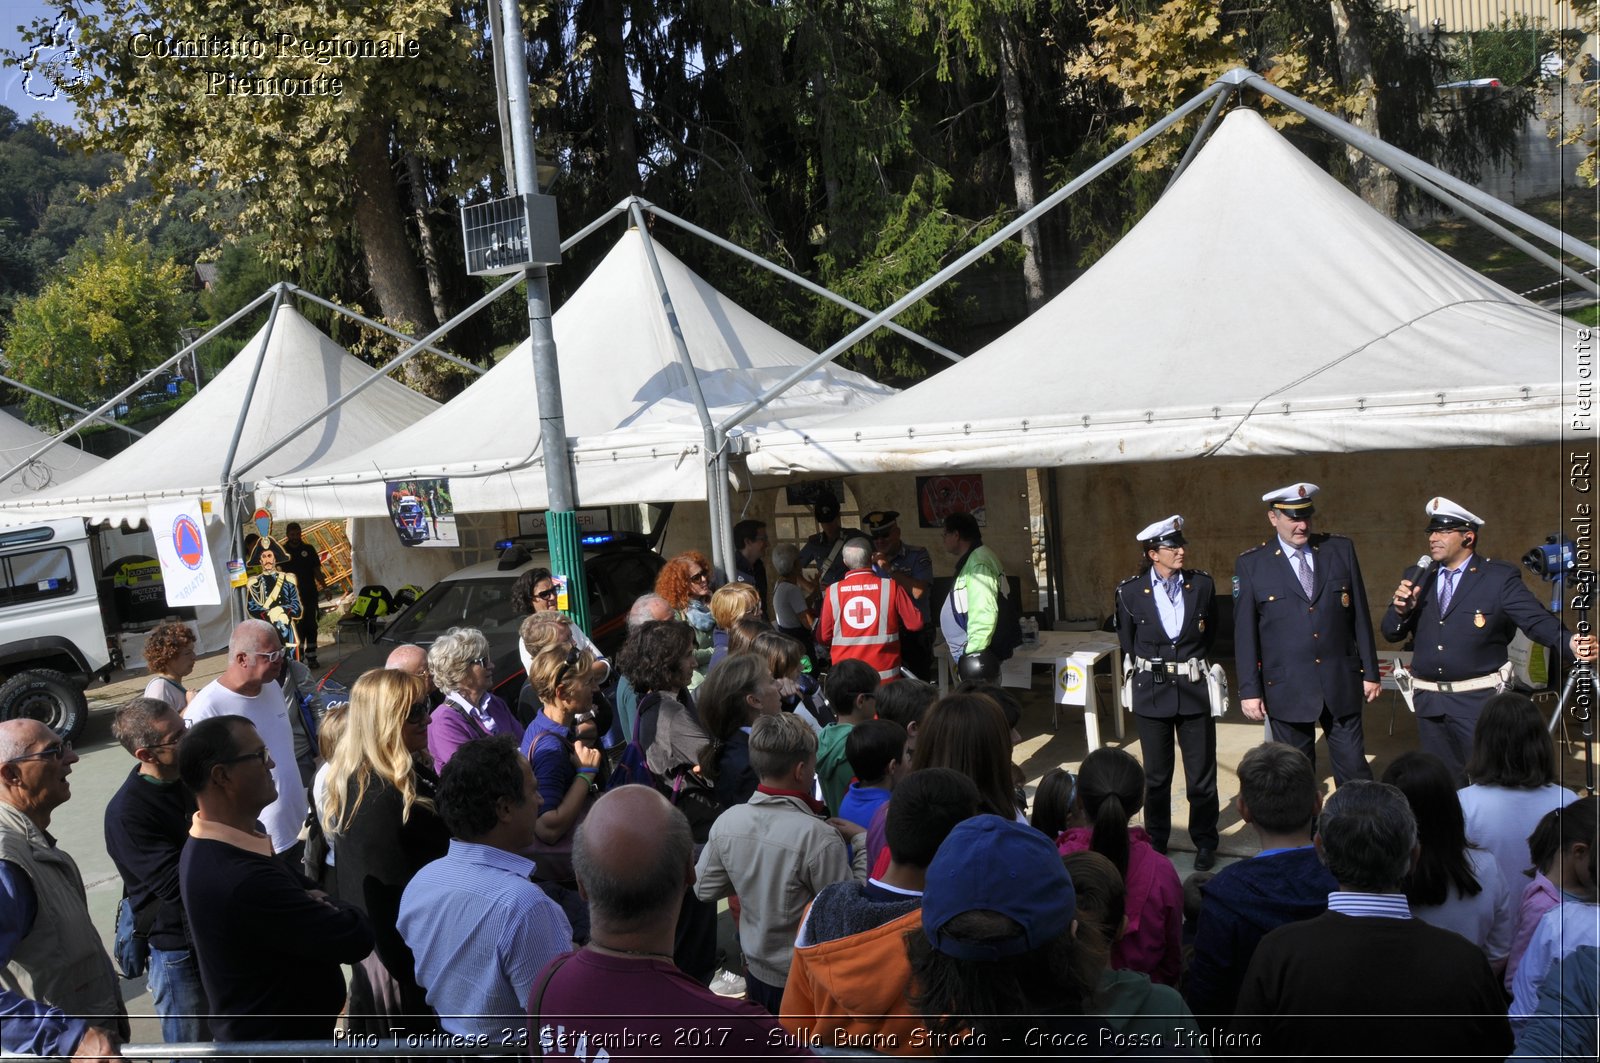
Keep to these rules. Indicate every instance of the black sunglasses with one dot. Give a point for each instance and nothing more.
(260, 754)
(546, 596)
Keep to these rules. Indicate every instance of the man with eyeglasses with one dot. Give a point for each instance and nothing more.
(1303, 637)
(1464, 611)
(146, 824)
(58, 992)
(249, 688)
(270, 944)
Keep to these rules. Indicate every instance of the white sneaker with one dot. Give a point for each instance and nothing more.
(727, 984)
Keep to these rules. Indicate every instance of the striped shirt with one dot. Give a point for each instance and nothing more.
(1377, 905)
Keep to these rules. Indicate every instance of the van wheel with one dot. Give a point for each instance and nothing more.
(48, 696)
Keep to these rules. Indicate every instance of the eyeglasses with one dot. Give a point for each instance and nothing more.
(546, 595)
(274, 657)
(166, 745)
(484, 661)
(260, 754)
(58, 751)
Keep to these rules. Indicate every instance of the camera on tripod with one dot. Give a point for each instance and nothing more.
(1557, 557)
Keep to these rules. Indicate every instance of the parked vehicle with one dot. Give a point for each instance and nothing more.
(619, 567)
(54, 624)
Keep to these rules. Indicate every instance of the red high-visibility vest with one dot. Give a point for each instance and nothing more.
(865, 626)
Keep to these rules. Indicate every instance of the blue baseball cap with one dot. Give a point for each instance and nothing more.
(992, 864)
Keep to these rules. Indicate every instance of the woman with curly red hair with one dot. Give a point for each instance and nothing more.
(685, 583)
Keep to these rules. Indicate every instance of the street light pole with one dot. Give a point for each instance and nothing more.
(561, 521)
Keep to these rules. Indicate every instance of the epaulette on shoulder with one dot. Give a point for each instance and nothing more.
(1130, 579)
(1198, 572)
(1253, 549)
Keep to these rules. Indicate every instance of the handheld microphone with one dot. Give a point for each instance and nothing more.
(1419, 571)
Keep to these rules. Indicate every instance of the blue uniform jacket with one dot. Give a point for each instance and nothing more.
(1489, 604)
(1299, 653)
(1141, 634)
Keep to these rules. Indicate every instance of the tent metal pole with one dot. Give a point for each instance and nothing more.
(1489, 224)
(1394, 158)
(1200, 136)
(1045, 205)
(142, 381)
(385, 329)
(114, 423)
(571, 241)
(795, 278)
(417, 346)
(707, 428)
(228, 476)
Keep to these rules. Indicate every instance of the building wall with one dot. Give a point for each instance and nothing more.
(1376, 498)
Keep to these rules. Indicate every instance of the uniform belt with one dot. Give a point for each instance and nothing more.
(1459, 686)
(1194, 669)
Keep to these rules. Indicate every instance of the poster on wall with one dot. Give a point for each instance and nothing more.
(188, 572)
(940, 496)
(422, 512)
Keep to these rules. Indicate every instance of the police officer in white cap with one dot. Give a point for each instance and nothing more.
(1463, 609)
(1303, 635)
(1166, 622)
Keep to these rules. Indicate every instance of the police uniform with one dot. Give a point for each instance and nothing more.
(1460, 647)
(1306, 655)
(1170, 694)
(824, 551)
(916, 647)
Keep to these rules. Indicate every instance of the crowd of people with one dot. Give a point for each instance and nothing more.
(544, 876)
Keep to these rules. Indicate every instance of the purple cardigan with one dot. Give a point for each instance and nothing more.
(448, 728)
(1154, 941)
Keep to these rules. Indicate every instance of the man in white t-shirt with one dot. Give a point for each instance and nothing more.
(249, 688)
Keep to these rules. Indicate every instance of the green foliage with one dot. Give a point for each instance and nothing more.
(1510, 52)
(97, 328)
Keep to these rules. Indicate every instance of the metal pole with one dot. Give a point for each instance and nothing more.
(587, 230)
(142, 381)
(561, 520)
(230, 482)
(461, 363)
(1200, 136)
(790, 275)
(1045, 205)
(1395, 159)
(382, 371)
(707, 427)
(113, 422)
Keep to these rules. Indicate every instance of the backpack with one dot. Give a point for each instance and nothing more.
(631, 767)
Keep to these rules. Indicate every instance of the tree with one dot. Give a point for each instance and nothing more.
(95, 330)
(303, 113)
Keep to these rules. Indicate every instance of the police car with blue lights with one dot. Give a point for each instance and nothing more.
(619, 566)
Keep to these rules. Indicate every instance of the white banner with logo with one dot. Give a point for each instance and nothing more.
(188, 569)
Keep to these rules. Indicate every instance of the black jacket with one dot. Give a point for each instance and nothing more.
(1141, 634)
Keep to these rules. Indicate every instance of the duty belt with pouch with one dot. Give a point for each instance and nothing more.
(1409, 684)
(1195, 670)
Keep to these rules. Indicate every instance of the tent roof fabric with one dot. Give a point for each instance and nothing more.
(55, 466)
(629, 411)
(1259, 308)
(304, 370)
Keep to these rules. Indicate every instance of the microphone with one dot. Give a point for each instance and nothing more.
(1418, 572)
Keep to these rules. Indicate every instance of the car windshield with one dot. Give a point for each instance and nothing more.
(481, 603)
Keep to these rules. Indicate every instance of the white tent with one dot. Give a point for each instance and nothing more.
(629, 407)
(55, 466)
(183, 458)
(1259, 308)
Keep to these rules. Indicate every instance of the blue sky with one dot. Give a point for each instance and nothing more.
(13, 93)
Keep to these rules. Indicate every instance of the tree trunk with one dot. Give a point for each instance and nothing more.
(618, 108)
(1374, 182)
(380, 220)
(1021, 162)
(430, 248)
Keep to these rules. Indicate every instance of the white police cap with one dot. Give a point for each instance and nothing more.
(1444, 515)
(1294, 499)
(1167, 532)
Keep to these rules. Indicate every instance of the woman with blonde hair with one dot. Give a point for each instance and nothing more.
(383, 827)
(561, 742)
(731, 604)
(464, 672)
